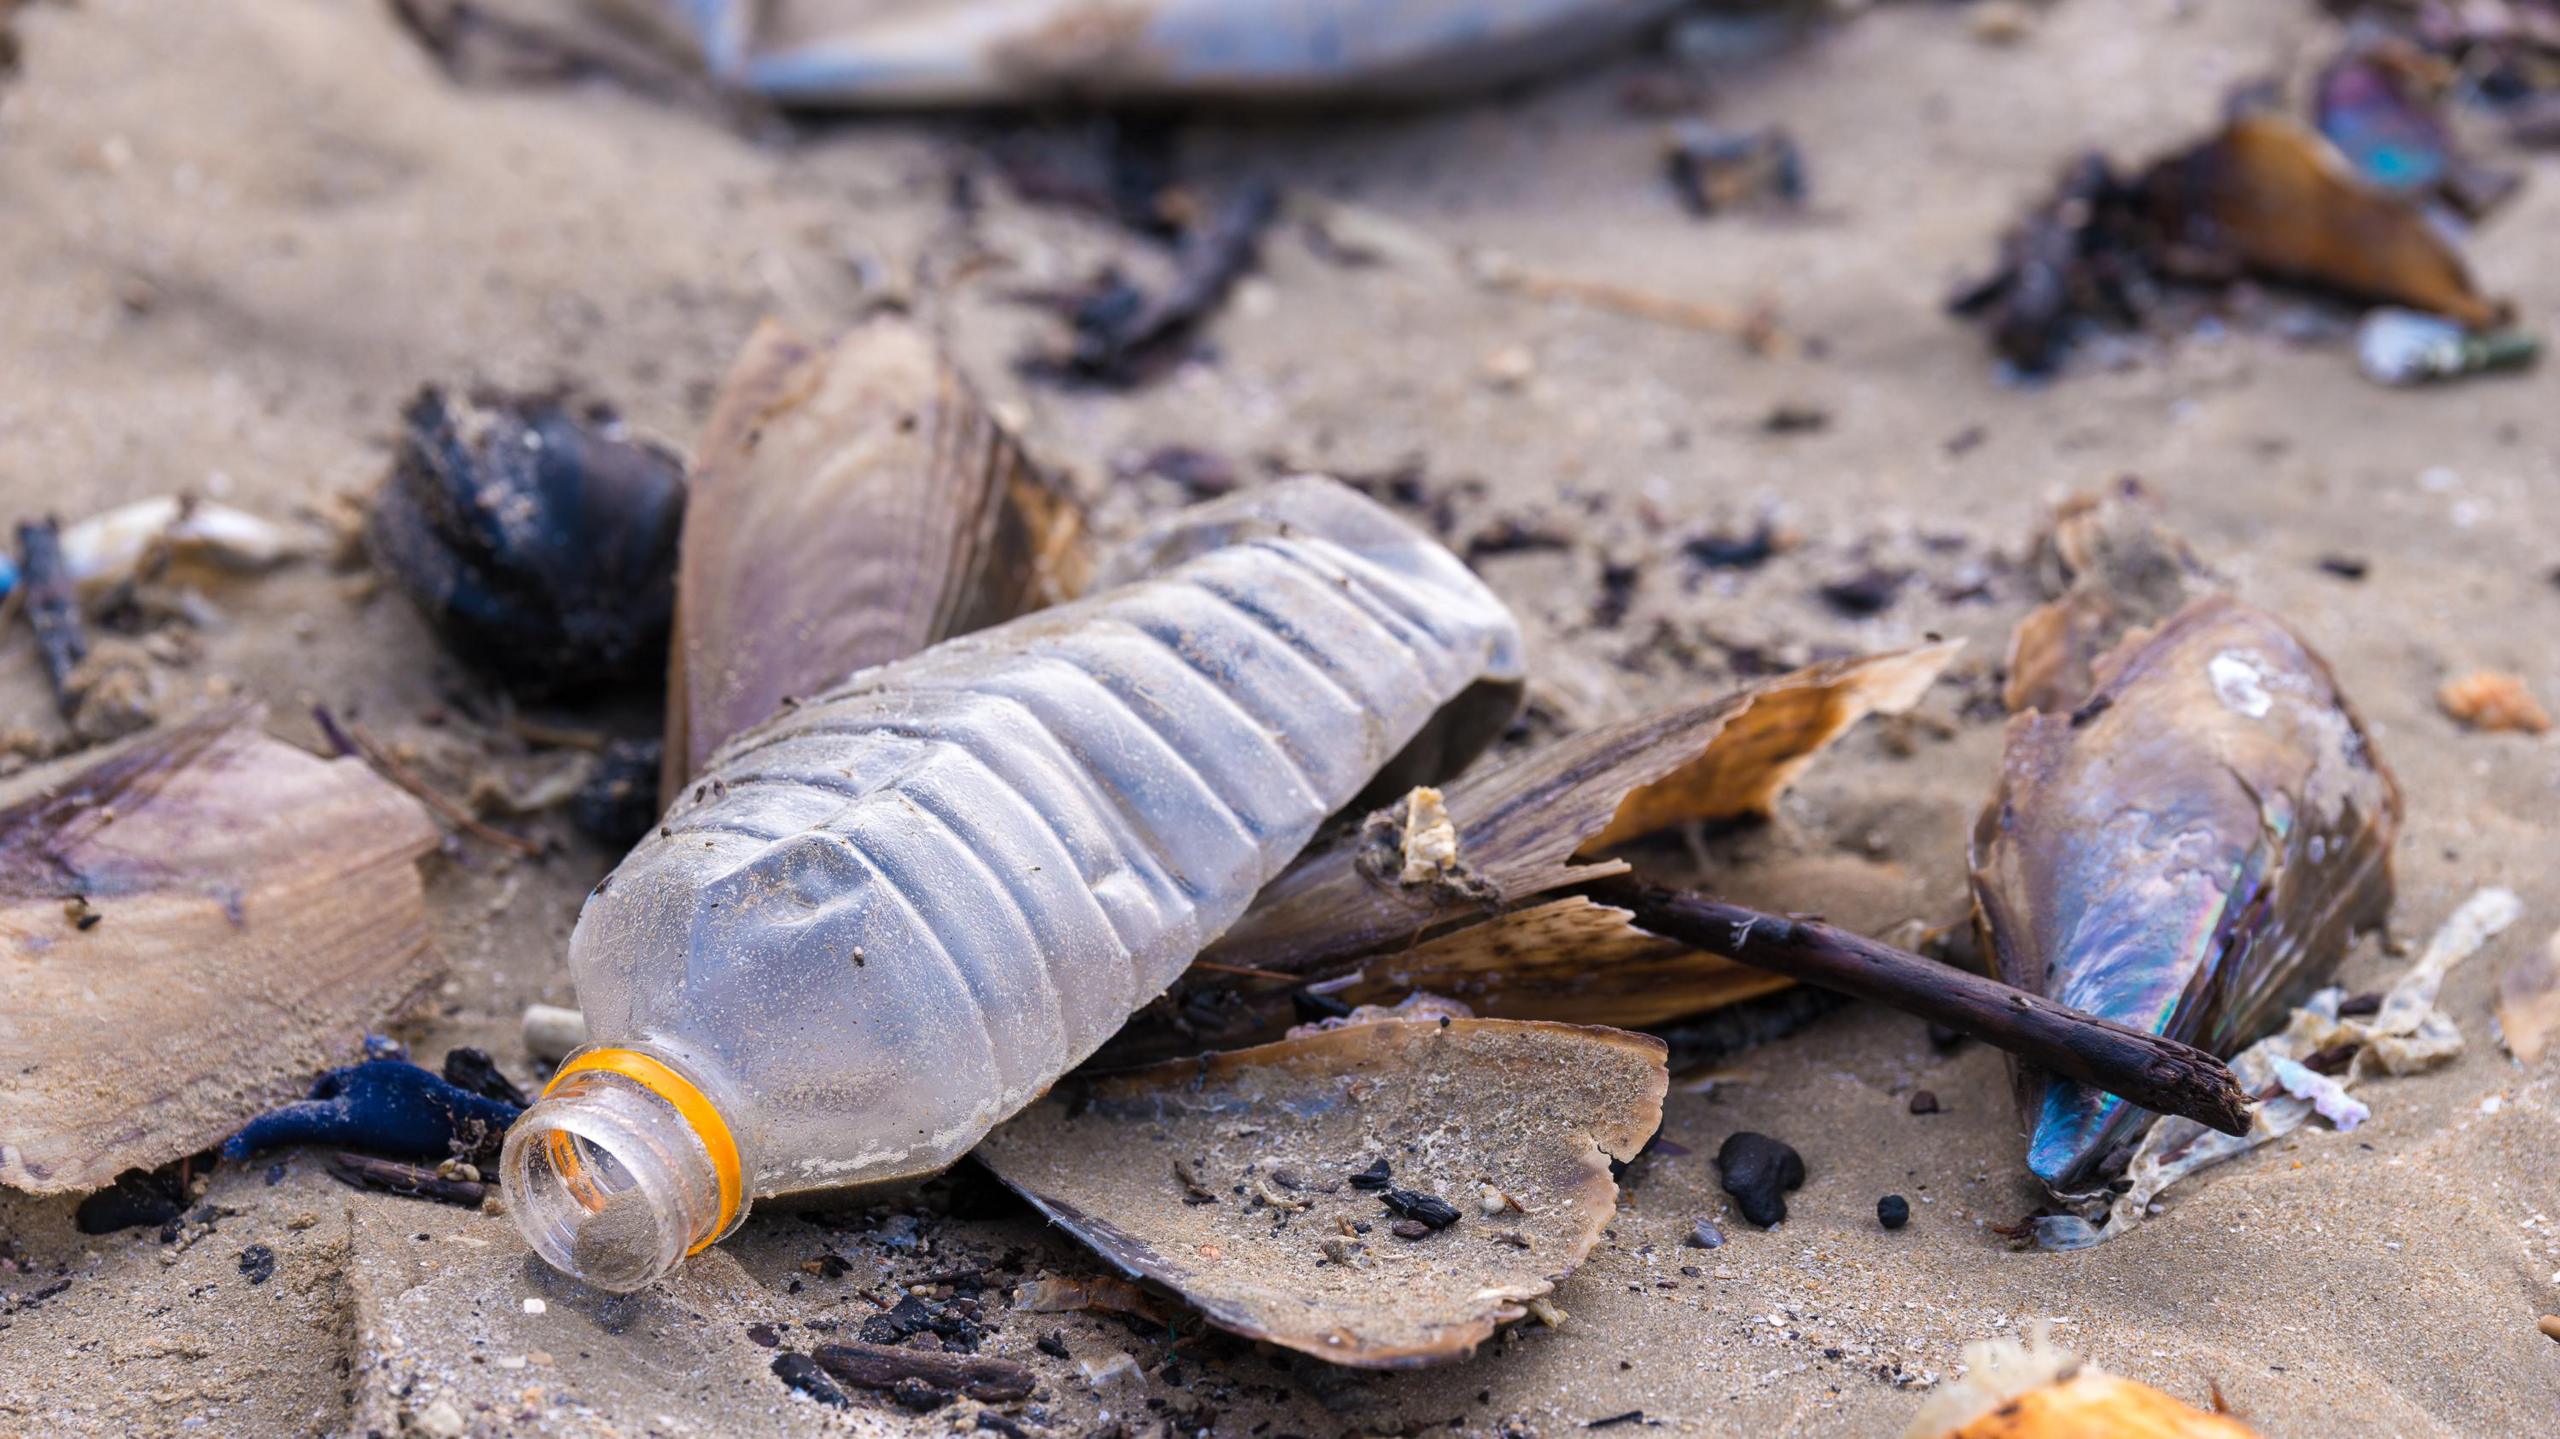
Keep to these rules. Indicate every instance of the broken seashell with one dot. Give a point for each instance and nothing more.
(1547, 1106)
(2034, 1391)
(251, 906)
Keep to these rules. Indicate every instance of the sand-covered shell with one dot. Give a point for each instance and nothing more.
(2186, 845)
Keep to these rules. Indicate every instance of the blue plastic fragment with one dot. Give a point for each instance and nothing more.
(383, 1106)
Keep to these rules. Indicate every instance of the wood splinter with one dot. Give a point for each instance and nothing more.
(2158, 1073)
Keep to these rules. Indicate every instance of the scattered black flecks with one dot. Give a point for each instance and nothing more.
(258, 1262)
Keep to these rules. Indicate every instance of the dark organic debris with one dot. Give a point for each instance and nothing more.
(1716, 170)
(914, 1314)
(1427, 1209)
(1893, 1211)
(1376, 1177)
(363, 1171)
(259, 1263)
(2264, 197)
(2346, 567)
(1870, 591)
(387, 1105)
(139, 1197)
(540, 539)
(1737, 552)
(1758, 1171)
(619, 800)
(473, 1069)
(806, 1375)
(874, 1366)
(1123, 335)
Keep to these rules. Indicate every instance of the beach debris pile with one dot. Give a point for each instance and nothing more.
(2364, 202)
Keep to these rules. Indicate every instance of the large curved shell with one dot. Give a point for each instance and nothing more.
(853, 504)
(2187, 850)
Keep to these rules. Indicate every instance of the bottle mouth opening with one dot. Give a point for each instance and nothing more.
(608, 1183)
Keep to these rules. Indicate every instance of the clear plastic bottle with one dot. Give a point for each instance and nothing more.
(891, 916)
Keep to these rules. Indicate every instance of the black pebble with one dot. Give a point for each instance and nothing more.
(258, 1262)
(1924, 1101)
(1758, 1172)
(1893, 1211)
(2346, 567)
(1376, 1176)
(1430, 1209)
(764, 1336)
(802, 1373)
(1868, 592)
(1053, 1344)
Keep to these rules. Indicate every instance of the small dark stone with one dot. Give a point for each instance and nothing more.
(1409, 1229)
(1053, 1344)
(764, 1335)
(1924, 1101)
(258, 1262)
(1735, 552)
(1376, 1176)
(2346, 567)
(619, 801)
(473, 1069)
(802, 1373)
(1758, 1172)
(1705, 1235)
(2359, 1005)
(1431, 1209)
(915, 1315)
(1893, 1211)
(1869, 592)
(2332, 1060)
(1795, 419)
(916, 1394)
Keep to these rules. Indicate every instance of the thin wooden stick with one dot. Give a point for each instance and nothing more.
(2157, 1073)
(352, 738)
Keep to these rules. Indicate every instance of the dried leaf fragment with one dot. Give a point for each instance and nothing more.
(251, 909)
(1547, 1106)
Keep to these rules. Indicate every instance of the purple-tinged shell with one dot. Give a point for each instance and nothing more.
(2187, 846)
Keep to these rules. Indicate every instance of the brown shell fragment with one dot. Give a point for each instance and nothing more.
(2494, 702)
(188, 930)
(2272, 196)
(1535, 1110)
(1532, 826)
(852, 505)
(2091, 1404)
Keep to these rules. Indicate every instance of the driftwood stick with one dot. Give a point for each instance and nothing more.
(2157, 1073)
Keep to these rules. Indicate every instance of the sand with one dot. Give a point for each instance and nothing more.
(238, 236)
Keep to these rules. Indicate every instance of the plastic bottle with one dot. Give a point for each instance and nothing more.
(891, 916)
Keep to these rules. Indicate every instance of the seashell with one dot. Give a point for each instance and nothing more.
(2186, 845)
(250, 907)
(2011, 1390)
(540, 542)
(1534, 1112)
(852, 504)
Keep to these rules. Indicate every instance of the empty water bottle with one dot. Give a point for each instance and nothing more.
(892, 915)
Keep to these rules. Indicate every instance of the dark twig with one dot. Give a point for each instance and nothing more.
(351, 738)
(53, 608)
(2155, 1072)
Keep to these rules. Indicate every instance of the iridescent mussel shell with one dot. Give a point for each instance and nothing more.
(2188, 844)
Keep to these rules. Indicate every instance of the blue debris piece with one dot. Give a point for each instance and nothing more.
(385, 1106)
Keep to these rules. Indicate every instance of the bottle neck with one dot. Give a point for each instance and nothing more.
(622, 1168)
